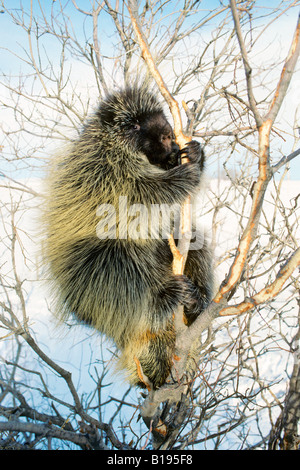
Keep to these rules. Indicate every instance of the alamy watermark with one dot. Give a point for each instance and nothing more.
(140, 222)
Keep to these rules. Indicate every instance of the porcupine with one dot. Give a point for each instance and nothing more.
(119, 284)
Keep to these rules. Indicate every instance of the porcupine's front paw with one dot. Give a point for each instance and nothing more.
(194, 152)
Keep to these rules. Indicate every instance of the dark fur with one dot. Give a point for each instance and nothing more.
(125, 288)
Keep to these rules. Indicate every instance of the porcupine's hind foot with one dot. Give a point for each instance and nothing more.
(149, 358)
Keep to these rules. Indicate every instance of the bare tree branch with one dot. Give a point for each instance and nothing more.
(247, 66)
(286, 75)
(264, 129)
(270, 291)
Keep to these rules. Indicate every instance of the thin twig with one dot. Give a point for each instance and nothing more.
(247, 66)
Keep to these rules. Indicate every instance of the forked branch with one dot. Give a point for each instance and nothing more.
(265, 172)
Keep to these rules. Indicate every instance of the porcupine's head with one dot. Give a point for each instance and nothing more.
(136, 115)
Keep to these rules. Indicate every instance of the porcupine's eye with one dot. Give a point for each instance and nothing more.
(136, 127)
